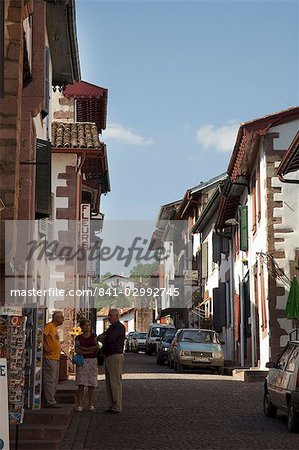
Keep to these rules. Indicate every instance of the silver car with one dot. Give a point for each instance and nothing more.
(196, 348)
(281, 390)
(138, 342)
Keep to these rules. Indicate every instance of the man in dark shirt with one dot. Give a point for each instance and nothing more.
(113, 348)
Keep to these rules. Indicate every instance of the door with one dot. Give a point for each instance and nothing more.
(278, 378)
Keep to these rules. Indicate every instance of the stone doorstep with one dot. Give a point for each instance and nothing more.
(43, 429)
(66, 392)
(53, 444)
(41, 432)
(249, 375)
(50, 416)
(67, 387)
(66, 398)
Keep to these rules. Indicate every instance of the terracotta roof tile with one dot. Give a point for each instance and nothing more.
(75, 135)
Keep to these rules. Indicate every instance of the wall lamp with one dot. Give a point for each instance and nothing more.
(231, 222)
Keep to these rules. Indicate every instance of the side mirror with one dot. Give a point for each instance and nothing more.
(270, 365)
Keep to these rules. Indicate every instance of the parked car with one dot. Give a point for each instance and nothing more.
(138, 342)
(155, 332)
(197, 348)
(281, 390)
(128, 342)
(163, 344)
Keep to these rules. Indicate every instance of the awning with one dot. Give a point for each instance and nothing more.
(292, 307)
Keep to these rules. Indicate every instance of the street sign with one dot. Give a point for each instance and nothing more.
(4, 427)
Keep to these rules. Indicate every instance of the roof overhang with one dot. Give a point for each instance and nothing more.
(62, 35)
(229, 202)
(193, 195)
(290, 161)
(207, 213)
(248, 139)
(92, 102)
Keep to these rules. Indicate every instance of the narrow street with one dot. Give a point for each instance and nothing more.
(166, 410)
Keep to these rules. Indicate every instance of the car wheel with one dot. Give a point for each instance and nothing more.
(220, 370)
(293, 418)
(269, 409)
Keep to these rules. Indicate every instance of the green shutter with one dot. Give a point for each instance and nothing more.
(216, 248)
(243, 215)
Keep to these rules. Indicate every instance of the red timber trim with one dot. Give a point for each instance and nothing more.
(253, 202)
(237, 316)
(258, 194)
(248, 131)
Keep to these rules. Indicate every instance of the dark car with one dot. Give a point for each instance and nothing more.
(163, 345)
(281, 390)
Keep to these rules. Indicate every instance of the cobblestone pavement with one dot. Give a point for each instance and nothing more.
(165, 410)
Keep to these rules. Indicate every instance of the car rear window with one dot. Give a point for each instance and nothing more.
(293, 361)
(202, 337)
(168, 337)
(141, 335)
(157, 331)
(284, 357)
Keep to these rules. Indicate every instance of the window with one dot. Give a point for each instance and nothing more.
(284, 357)
(27, 52)
(256, 199)
(204, 260)
(253, 202)
(43, 198)
(45, 110)
(258, 195)
(243, 218)
(291, 365)
(263, 300)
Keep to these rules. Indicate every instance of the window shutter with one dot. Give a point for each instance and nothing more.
(243, 228)
(216, 248)
(204, 260)
(219, 307)
(47, 84)
(43, 179)
(224, 245)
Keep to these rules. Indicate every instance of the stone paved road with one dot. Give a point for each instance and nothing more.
(165, 410)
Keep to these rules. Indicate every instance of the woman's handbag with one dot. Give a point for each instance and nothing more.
(100, 357)
(78, 359)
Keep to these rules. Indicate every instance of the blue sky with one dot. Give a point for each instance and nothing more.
(181, 76)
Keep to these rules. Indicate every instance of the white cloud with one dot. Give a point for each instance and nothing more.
(221, 139)
(124, 135)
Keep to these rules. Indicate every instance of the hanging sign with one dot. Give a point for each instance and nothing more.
(85, 225)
